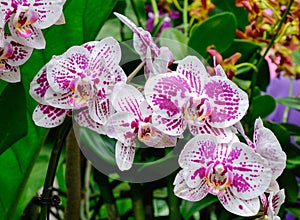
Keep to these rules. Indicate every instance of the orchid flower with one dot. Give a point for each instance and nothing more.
(266, 144)
(133, 120)
(272, 204)
(26, 19)
(233, 172)
(156, 59)
(189, 96)
(82, 77)
(12, 55)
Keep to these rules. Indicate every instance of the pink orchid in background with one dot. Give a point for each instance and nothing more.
(12, 55)
(156, 59)
(272, 204)
(133, 120)
(189, 96)
(26, 19)
(82, 77)
(233, 172)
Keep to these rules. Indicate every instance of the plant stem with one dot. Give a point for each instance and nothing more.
(134, 72)
(185, 16)
(260, 61)
(62, 133)
(155, 12)
(73, 178)
(173, 200)
(137, 200)
(287, 108)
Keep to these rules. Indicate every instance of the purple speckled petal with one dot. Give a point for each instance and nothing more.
(194, 70)
(269, 148)
(63, 69)
(49, 11)
(100, 109)
(20, 54)
(173, 127)
(239, 206)
(126, 98)
(83, 119)
(10, 74)
(276, 199)
(5, 11)
(35, 40)
(240, 129)
(125, 155)
(118, 126)
(90, 45)
(182, 190)
(48, 116)
(229, 103)
(252, 176)
(58, 100)
(161, 140)
(167, 94)
(224, 135)
(198, 151)
(39, 86)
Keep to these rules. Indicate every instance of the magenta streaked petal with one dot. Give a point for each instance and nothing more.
(276, 199)
(6, 50)
(35, 40)
(5, 11)
(240, 129)
(83, 119)
(199, 150)
(58, 100)
(125, 155)
(173, 127)
(63, 69)
(229, 103)
(126, 98)
(48, 116)
(224, 135)
(90, 45)
(167, 94)
(231, 203)
(10, 74)
(182, 190)
(252, 176)
(100, 109)
(194, 177)
(146, 110)
(39, 86)
(194, 70)
(119, 126)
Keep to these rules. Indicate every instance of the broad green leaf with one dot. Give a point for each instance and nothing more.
(13, 119)
(262, 106)
(292, 102)
(189, 208)
(176, 41)
(218, 31)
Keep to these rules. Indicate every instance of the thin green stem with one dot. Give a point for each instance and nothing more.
(155, 12)
(260, 61)
(62, 133)
(185, 16)
(173, 200)
(247, 64)
(177, 5)
(134, 72)
(137, 200)
(287, 108)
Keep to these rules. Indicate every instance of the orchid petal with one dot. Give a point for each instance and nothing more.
(220, 71)
(61, 20)
(276, 199)
(58, 100)
(10, 74)
(182, 190)
(231, 203)
(125, 155)
(65, 68)
(229, 103)
(252, 175)
(146, 110)
(167, 94)
(161, 140)
(194, 70)
(48, 116)
(39, 86)
(100, 110)
(5, 11)
(173, 127)
(126, 98)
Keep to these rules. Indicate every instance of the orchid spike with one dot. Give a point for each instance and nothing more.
(189, 96)
(132, 121)
(12, 55)
(233, 172)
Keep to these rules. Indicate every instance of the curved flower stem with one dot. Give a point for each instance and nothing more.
(247, 64)
(155, 12)
(174, 201)
(134, 72)
(137, 200)
(73, 178)
(287, 108)
(260, 61)
(62, 133)
(177, 5)
(185, 16)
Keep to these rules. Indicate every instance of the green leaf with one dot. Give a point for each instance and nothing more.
(189, 208)
(176, 41)
(292, 102)
(262, 106)
(293, 129)
(13, 119)
(290, 186)
(218, 31)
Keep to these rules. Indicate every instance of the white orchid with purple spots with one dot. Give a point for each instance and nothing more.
(190, 96)
(133, 120)
(82, 77)
(156, 59)
(271, 205)
(233, 172)
(26, 19)
(12, 55)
